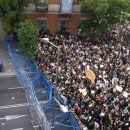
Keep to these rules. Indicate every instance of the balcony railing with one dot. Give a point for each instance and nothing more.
(42, 9)
(36, 8)
(49, 8)
(76, 8)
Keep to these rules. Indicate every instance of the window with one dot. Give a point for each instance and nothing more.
(41, 24)
(83, 20)
(82, 24)
(64, 24)
(41, 5)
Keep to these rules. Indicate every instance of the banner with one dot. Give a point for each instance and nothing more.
(66, 6)
(83, 91)
(90, 75)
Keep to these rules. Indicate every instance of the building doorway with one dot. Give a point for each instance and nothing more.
(64, 25)
(41, 26)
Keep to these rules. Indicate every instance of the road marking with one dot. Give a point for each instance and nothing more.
(17, 129)
(13, 98)
(7, 75)
(3, 123)
(12, 117)
(2, 118)
(36, 126)
(13, 106)
(19, 105)
(16, 88)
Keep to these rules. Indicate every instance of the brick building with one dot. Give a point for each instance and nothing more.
(56, 15)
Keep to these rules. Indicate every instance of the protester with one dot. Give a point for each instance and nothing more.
(105, 104)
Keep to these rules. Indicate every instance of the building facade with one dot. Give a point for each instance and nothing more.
(56, 15)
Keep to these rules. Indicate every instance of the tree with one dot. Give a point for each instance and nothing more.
(26, 33)
(103, 14)
(11, 11)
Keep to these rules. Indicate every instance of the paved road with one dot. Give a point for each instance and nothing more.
(8, 82)
(14, 109)
(8, 69)
(11, 92)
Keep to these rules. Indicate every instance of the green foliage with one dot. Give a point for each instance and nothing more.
(103, 14)
(11, 11)
(94, 7)
(26, 33)
(41, 2)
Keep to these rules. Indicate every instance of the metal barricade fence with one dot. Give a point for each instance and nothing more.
(22, 65)
(30, 94)
(75, 121)
(60, 98)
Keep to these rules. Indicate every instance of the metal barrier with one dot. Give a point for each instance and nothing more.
(37, 113)
(30, 77)
(74, 121)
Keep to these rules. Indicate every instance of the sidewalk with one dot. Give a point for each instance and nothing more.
(8, 67)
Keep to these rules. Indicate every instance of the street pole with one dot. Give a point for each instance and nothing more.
(57, 67)
(120, 20)
(57, 61)
(57, 73)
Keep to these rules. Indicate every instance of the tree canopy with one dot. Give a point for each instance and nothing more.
(11, 11)
(103, 14)
(26, 33)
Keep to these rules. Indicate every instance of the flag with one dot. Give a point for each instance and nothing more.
(90, 75)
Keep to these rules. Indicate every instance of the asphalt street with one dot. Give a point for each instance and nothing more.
(14, 109)
(8, 82)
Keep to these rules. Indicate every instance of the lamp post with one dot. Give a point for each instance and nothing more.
(128, 14)
(58, 56)
(57, 67)
(57, 71)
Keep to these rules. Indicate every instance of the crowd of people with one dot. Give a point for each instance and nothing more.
(105, 104)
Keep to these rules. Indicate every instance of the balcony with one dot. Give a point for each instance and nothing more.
(30, 8)
(42, 9)
(54, 7)
(38, 6)
(76, 8)
(41, 6)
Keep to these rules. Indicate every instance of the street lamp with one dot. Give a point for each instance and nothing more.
(57, 71)
(58, 56)
(124, 14)
(128, 14)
